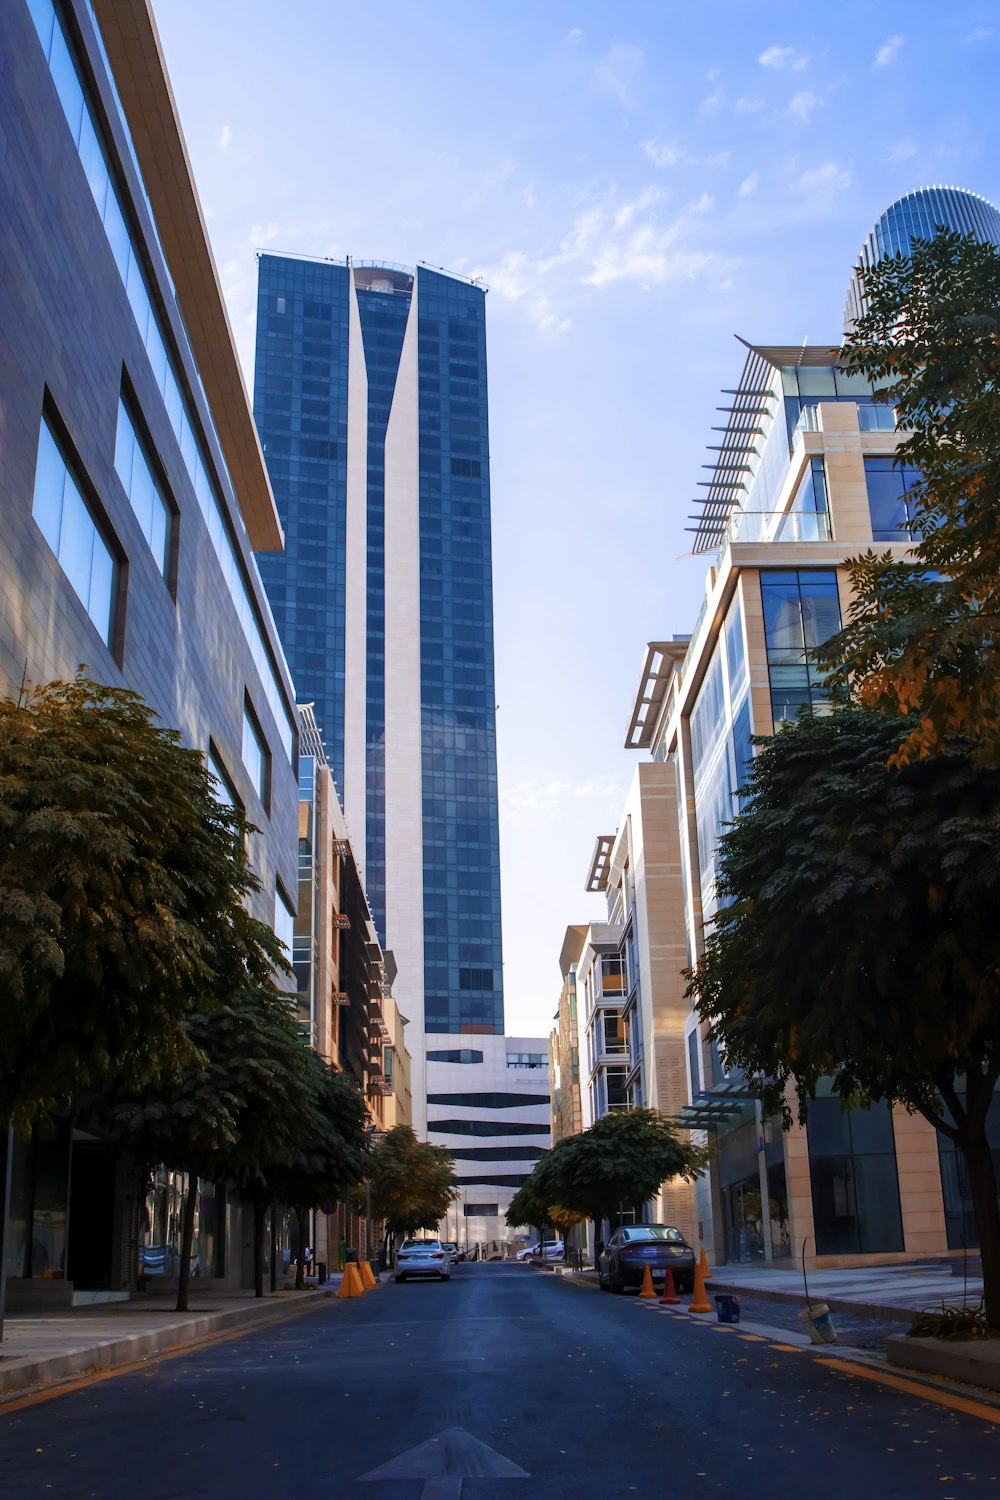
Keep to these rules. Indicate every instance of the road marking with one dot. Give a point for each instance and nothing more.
(444, 1463)
(753, 1338)
(911, 1387)
(790, 1348)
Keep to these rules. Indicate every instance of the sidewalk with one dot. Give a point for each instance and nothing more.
(40, 1348)
(892, 1293)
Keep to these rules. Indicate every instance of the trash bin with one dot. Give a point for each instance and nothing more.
(320, 1272)
(727, 1307)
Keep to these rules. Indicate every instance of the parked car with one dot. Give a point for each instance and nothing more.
(631, 1249)
(422, 1258)
(452, 1251)
(554, 1251)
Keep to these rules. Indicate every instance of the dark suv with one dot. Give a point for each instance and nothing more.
(630, 1250)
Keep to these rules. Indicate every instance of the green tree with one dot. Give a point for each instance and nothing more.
(412, 1183)
(923, 638)
(857, 940)
(332, 1150)
(122, 888)
(621, 1161)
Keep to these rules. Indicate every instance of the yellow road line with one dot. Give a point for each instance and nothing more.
(754, 1338)
(790, 1348)
(926, 1393)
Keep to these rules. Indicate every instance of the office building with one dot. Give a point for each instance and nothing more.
(564, 1043)
(804, 478)
(134, 494)
(370, 398)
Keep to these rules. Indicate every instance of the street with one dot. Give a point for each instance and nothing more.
(590, 1395)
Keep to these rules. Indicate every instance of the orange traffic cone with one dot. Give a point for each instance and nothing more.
(670, 1297)
(699, 1302)
(703, 1265)
(350, 1285)
(647, 1294)
(367, 1275)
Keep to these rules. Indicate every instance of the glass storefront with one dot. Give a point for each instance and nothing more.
(855, 1187)
(161, 1226)
(739, 1180)
(39, 1204)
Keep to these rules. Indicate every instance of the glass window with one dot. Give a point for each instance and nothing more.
(855, 1189)
(142, 489)
(801, 612)
(284, 922)
(222, 788)
(889, 503)
(255, 755)
(65, 520)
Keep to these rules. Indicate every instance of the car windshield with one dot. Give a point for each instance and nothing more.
(654, 1232)
(421, 1244)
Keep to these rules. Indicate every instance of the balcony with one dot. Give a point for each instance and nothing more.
(768, 526)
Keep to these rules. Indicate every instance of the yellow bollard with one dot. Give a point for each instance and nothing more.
(699, 1302)
(647, 1286)
(367, 1275)
(703, 1265)
(351, 1285)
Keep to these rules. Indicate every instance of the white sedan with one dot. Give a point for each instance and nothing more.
(423, 1258)
(554, 1251)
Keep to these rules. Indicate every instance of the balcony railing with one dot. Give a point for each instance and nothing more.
(771, 526)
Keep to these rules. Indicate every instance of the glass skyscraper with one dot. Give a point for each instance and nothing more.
(918, 216)
(370, 399)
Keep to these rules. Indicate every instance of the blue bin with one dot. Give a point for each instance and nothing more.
(728, 1307)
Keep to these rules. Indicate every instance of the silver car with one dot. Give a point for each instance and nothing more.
(423, 1258)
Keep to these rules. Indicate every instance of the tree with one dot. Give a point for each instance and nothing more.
(857, 937)
(332, 1150)
(621, 1161)
(412, 1183)
(923, 639)
(122, 887)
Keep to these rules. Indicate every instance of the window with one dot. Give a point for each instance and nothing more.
(489, 1100)
(889, 501)
(284, 930)
(455, 1055)
(481, 1210)
(855, 1188)
(808, 517)
(801, 611)
(143, 489)
(255, 756)
(67, 524)
(527, 1059)
(222, 789)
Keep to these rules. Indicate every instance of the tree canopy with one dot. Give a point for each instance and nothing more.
(122, 897)
(857, 938)
(621, 1161)
(412, 1183)
(923, 638)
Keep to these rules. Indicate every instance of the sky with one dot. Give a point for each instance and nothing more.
(637, 184)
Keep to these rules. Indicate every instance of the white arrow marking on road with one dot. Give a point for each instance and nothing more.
(445, 1461)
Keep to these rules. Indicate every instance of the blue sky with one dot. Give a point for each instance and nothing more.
(637, 184)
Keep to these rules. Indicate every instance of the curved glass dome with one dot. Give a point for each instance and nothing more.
(917, 216)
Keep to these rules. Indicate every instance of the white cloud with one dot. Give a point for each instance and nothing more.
(802, 105)
(575, 36)
(901, 151)
(980, 34)
(746, 106)
(783, 57)
(749, 185)
(712, 103)
(616, 73)
(225, 136)
(822, 182)
(889, 51)
(720, 159)
(663, 153)
(613, 239)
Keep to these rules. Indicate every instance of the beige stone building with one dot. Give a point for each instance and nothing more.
(804, 478)
(564, 1044)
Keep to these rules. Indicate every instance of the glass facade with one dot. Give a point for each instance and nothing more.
(889, 503)
(801, 611)
(720, 746)
(300, 402)
(142, 488)
(918, 216)
(855, 1189)
(64, 518)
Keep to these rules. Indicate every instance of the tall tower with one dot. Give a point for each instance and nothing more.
(918, 216)
(370, 398)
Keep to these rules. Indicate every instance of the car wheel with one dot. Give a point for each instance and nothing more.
(400, 1278)
(616, 1285)
(605, 1286)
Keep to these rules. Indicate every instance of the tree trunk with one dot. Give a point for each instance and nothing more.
(274, 1245)
(300, 1270)
(258, 1244)
(983, 1185)
(187, 1243)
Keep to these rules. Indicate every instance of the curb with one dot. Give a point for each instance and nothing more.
(23, 1375)
(881, 1312)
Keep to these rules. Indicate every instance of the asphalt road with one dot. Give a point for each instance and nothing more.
(591, 1395)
